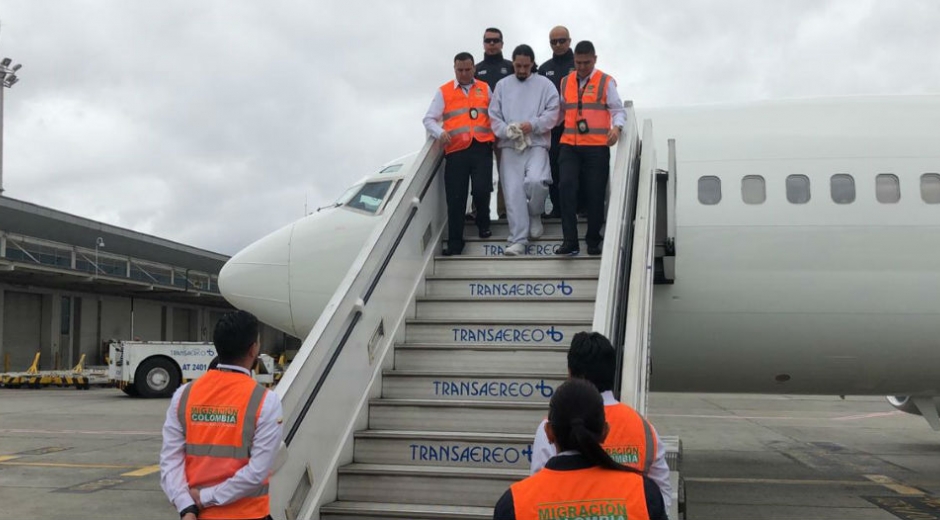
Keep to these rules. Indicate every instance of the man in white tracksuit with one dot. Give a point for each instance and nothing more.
(523, 110)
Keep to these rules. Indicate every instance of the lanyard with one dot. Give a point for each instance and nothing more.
(581, 90)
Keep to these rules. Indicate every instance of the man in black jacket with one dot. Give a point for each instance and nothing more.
(561, 64)
(493, 68)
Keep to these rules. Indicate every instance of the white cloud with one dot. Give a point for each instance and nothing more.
(208, 122)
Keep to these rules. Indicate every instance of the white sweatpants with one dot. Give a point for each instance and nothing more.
(524, 177)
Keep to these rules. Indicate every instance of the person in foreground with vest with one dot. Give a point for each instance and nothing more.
(459, 119)
(593, 118)
(523, 110)
(222, 433)
(582, 481)
(632, 440)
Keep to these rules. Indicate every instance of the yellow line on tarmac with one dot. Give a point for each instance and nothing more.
(795, 482)
(4, 458)
(895, 486)
(64, 465)
(142, 472)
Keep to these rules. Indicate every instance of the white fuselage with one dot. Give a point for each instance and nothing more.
(776, 297)
(816, 297)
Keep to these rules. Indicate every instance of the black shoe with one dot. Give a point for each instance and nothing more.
(485, 233)
(502, 216)
(553, 214)
(452, 251)
(568, 249)
(470, 217)
(594, 250)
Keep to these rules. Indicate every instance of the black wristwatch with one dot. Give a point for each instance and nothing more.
(194, 509)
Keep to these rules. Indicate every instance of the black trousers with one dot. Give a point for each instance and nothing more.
(583, 170)
(553, 161)
(472, 165)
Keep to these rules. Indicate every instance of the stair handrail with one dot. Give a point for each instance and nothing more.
(306, 480)
(614, 273)
(635, 366)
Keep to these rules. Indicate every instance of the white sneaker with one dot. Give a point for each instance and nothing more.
(516, 249)
(535, 226)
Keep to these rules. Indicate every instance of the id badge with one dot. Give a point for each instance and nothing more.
(474, 113)
(583, 127)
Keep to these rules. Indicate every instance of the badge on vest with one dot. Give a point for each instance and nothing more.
(583, 127)
(504, 70)
(474, 113)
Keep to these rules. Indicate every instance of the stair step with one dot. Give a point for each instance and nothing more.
(403, 384)
(544, 246)
(525, 308)
(346, 510)
(512, 266)
(512, 288)
(481, 358)
(465, 416)
(468, 450)
(500, 228)
(480, 487)
(495, 332)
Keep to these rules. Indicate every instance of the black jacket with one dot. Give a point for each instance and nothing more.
(494, 68)
(558, 67)
(506, 509)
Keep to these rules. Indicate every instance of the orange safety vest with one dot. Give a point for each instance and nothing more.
(581, 493)
(219, 413)
(593, 109)
(466, 116)
(631, 441)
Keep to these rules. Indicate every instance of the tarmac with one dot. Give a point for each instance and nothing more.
(92, 454)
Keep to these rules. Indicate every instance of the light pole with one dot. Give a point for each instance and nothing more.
(7, 79)
(98, 243)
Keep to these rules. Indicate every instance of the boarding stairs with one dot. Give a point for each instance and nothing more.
(418, 392)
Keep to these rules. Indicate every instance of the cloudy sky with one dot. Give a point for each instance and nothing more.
(209, 122)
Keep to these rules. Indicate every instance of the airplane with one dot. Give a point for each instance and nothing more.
(807, 258)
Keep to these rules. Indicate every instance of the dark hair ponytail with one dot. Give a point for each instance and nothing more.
(576, 413)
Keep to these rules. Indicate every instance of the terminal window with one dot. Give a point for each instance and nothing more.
(798, 189)
(753, 189)
(930, 188)
(709, 190)
(887, 188)
(843, 188)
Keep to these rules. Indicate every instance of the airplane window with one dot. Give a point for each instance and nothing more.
(370, 196)
(709, 190)
(798, 189)
(753, 189)
(887, 188)
(930, 188)
(391, 169)
(843, 188)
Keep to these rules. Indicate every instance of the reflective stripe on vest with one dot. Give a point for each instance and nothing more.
(581, 493)
(593, 110)
(630, 441)
(219, 413)
(457, 122)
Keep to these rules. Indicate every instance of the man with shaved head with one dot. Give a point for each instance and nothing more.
(561, 64)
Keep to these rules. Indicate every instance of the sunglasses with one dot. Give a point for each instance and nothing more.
(492, 41)
(558, 41)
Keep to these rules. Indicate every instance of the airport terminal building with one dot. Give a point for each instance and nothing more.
(70, 285)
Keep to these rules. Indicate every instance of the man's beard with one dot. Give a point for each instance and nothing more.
(522, 78)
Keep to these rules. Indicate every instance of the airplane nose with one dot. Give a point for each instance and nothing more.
(256, 279)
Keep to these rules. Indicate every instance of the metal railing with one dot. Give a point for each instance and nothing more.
(634, 368)
(326, 389)
(614, 276)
